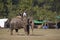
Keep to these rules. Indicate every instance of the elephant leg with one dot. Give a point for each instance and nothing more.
(25, 30)
(11, 31)
(32, 27)
(16, 30)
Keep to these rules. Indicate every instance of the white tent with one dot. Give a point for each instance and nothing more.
(2, 21)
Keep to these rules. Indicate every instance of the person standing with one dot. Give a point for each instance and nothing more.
(58, 24)
(24, 14)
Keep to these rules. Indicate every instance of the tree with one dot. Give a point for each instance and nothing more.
(38, 9)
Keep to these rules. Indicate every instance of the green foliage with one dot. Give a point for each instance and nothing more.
(39, 9)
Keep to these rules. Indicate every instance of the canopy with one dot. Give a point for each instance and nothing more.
(58, 17)
(38, 22)
(2, 21)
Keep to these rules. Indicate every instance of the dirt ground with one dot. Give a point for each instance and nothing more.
(38, 34)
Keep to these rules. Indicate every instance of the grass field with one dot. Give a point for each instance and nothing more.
(38, 34)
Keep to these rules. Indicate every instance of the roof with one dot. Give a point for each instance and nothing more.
(38, 21)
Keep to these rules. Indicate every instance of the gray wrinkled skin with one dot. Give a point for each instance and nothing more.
(17, 23)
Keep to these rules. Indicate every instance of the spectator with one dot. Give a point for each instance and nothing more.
(45, 26)
(58, 24)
